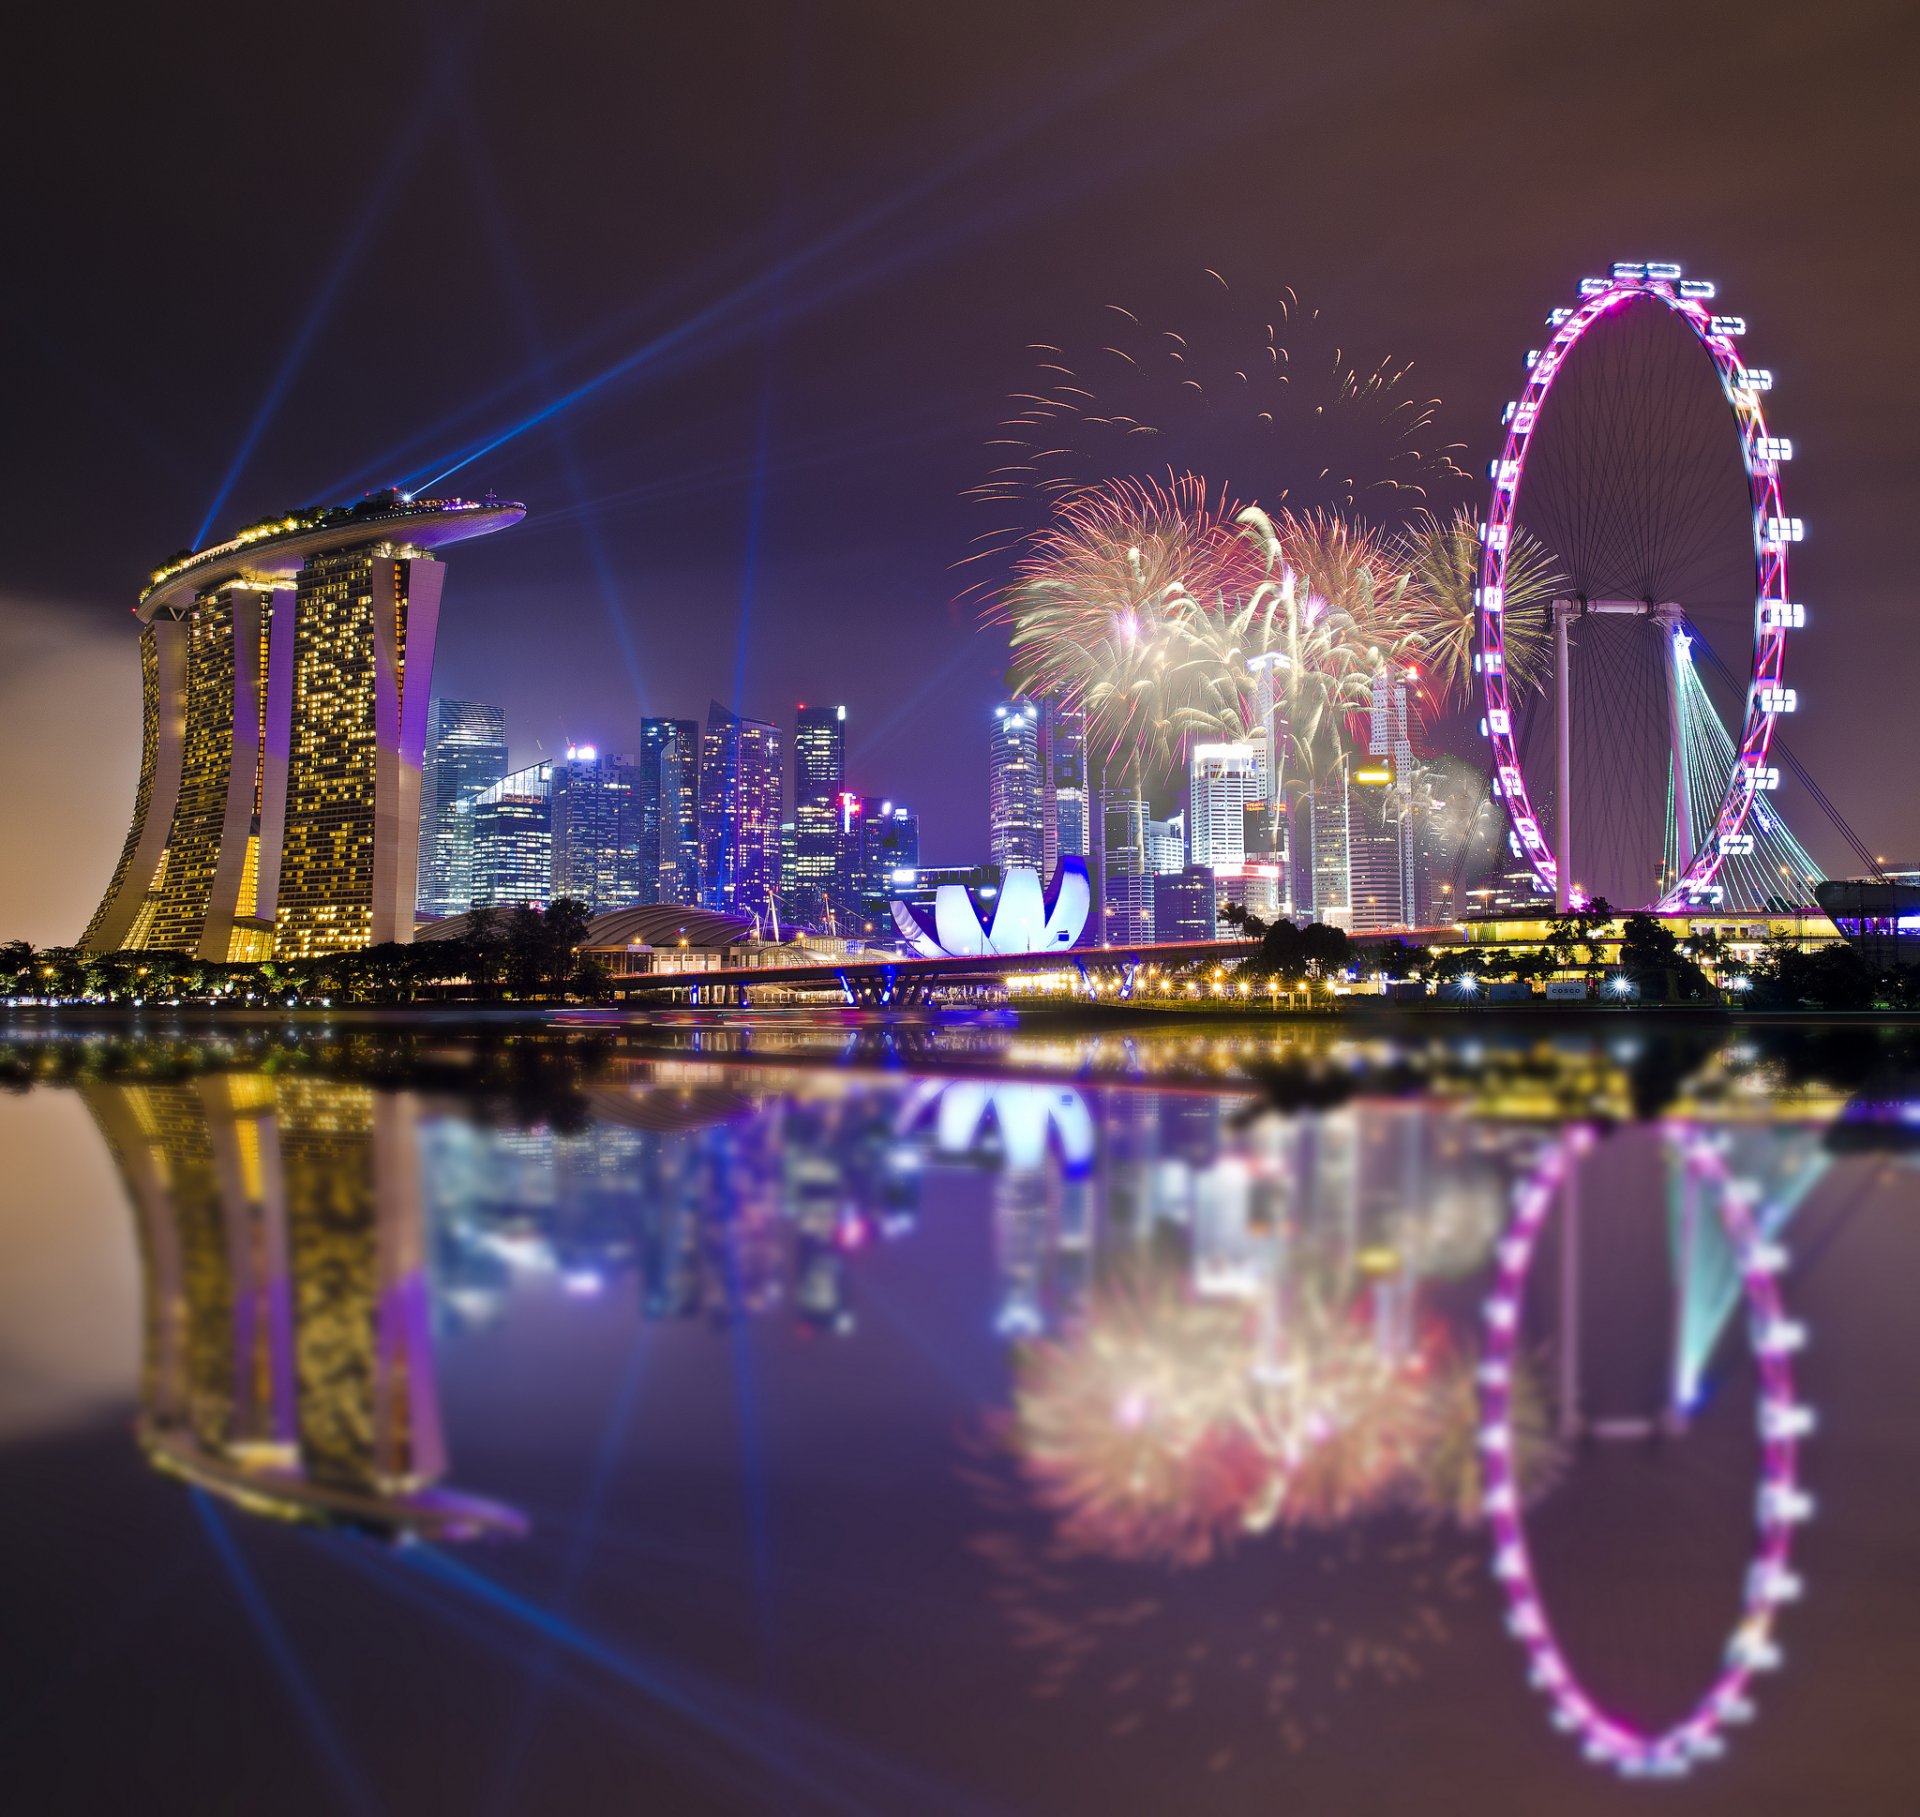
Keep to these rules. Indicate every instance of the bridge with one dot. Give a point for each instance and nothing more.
(885, 983)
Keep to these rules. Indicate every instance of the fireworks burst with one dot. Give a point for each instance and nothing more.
(1330, 615)
(1105, 604)
(1440, 557)
(1264, 391)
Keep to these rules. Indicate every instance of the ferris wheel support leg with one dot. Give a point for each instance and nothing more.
(1563, 611)
(1668, 618)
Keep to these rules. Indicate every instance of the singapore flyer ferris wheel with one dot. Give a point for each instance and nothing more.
(1653, 530)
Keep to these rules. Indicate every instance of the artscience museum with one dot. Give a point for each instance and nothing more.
(1023, 917)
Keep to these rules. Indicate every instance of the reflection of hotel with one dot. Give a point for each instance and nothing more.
(285, 677)
(288, 1356)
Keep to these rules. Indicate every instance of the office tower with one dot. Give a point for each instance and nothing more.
(1221, 782)
(1322, 883)
(886, 841)
(1014, 828)
(819, 779)
(1167, 845)
(1383, 827)
(1126, 885)
(512, 840)
(789, 885)
(466, 752)
(740, 789)
(285, 677)
(667, 790)
(596, 829)
(1184, 904)
(1065, 832)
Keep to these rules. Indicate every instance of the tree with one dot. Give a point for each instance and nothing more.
(1250, 924)
(565, 927)
(1398, 959)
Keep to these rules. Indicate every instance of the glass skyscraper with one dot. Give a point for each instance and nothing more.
(512, 840)
(1126, 884)
(667, 790)
(1066, 831)
(1222, 781)
(1015, 791)
(740, 795)
(819, 780)
(466, 753)
(596, 829)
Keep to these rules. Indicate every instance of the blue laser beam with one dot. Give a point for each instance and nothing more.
(347, 1781)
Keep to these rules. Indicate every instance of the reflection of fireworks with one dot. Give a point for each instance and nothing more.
(1441, 558)
(1162, 1426)
(1451, 1481)
(1262, 391)
(1137, 1432)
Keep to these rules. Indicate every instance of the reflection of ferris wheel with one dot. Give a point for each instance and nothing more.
(1703, 1172)
(1599, 507)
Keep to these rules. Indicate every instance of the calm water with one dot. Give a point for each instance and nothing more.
(958, 1420)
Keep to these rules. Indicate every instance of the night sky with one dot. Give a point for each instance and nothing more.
(261, 257)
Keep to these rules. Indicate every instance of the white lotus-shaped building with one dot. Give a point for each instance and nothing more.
(1024, 920)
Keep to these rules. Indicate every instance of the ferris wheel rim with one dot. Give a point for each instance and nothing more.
(1774, 612)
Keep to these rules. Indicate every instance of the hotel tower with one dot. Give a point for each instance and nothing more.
(285, 678)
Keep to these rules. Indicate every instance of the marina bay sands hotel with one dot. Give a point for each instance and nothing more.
(285, 675)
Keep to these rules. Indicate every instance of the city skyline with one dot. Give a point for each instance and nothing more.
(851, 389)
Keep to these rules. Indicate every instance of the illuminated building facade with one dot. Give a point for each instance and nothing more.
(285, 678)
(885, 849)
(1221, 784)
(1015, 825)
(466, 753)
(596, 829)
(740, 791)
(1184, 904)
(512, 840)
(667, 789)
(1125, 908)
(1065, 829)
(1167, 845)
(819, 780)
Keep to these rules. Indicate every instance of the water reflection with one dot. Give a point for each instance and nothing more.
(1378, 1308)
(288, 1361)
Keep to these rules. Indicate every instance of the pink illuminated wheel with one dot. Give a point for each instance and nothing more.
(1604, 1738)
(1690, 300)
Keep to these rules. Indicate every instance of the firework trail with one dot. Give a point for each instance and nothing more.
(1263, 391)
(1107, 607)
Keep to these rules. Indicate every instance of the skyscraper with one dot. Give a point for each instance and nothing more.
(667, 790)
(740, 789)
(884, 840)
(1126, 884)
(1167, 845)
(819, 778)
(1065, 830)
(466, 752)
(1323, 883)
(596, 829)
(1221, 781)
(512, 840)
(1015, 830)
(1383, 824)
(285, 681)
